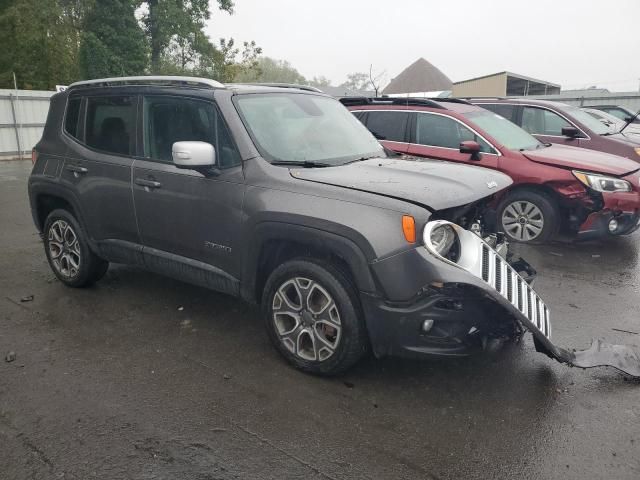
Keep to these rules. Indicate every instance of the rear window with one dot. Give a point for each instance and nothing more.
(390, 126)
(72, 117)
(506, 111)
(110, 124)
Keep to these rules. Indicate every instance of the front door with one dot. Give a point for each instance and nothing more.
(547, 126)
(439, 136)
(189, 221)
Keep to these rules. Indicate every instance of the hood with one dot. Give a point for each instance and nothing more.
(582, 159)
(430, 183)
(627, 137)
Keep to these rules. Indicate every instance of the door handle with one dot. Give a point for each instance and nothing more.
(76, 169)
(147, 183)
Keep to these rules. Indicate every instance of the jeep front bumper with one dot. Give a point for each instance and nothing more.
(467, 305)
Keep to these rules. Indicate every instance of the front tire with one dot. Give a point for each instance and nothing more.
(313, 317)
(68, 252)
(526, 216)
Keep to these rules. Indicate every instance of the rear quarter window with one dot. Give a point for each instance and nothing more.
(72, 117)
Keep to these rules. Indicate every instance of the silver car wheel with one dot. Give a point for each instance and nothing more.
(523, 220)
(64, 249)
(307, 319)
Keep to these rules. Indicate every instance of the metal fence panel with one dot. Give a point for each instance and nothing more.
(22, 117)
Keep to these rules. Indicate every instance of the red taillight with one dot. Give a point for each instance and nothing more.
(34, 156)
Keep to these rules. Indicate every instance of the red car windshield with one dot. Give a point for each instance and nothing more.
(505, 132)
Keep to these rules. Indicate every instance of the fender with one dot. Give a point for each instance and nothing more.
(37, 188)
(319, 238)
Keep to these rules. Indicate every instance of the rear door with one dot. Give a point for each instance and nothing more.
(100, 132)
(435, 135)
(390, 127)
(188, 220)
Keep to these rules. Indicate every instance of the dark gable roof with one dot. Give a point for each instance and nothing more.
(420, 76)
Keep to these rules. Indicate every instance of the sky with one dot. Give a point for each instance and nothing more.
(574, 43)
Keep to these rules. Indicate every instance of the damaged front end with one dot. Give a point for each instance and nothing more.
(474, 296)
(509, 286)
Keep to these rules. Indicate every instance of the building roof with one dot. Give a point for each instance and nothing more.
(509, 74)
(420, 76)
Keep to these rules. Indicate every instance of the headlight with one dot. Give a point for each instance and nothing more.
(637, 150)
(600, 183)
(443, 240)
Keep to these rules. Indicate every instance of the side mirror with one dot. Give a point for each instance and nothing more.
(628, 119)
(472, 148)
(193, 155)
(571, 132)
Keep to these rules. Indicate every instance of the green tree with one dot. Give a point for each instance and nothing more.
(176, 20)
(112, 43)
(270, 70)
(357, 81)
(40, 42)
(319, 82)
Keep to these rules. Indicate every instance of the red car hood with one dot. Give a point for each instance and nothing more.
(582, 159)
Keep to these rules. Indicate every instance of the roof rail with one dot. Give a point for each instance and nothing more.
(163, 80)
(453, 100)
(349, 101)
(482, 98)
(308, 88)
(406, 101)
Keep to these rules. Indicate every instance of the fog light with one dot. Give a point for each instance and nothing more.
(613, 225)
(427, 325)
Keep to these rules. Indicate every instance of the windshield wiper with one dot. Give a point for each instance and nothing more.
(303, 163)
(361, 159)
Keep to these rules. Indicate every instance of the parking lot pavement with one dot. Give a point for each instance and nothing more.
(146, 377)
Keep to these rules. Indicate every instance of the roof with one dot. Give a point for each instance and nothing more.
(454, 104)
(420, 76)
(509, 74)
(526, 100)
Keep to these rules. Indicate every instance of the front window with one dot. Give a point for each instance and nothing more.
(587, 120)
(506, 133)
(540, 121)
(289, 127)
(440, 131)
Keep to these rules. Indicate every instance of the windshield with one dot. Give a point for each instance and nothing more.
(504, 131)
(587, 120)
(290, 127)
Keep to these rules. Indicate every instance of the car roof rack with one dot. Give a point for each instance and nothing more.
(161, 80)
(453, 100)
(405, 101)
(308, 88)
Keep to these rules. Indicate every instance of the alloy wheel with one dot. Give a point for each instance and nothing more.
(64, 249)
(523, 220)
(307, 319)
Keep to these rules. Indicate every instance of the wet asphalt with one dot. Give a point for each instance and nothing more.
(145, 377)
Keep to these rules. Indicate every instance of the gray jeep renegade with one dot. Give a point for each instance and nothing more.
(280, 196)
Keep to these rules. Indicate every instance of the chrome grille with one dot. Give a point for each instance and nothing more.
(505, 280)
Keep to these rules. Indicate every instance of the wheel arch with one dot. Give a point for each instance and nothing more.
(274, 243)
(45, 199)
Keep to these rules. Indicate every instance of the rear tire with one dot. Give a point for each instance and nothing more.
(68, 251)
(313, 317)
(526, 216)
